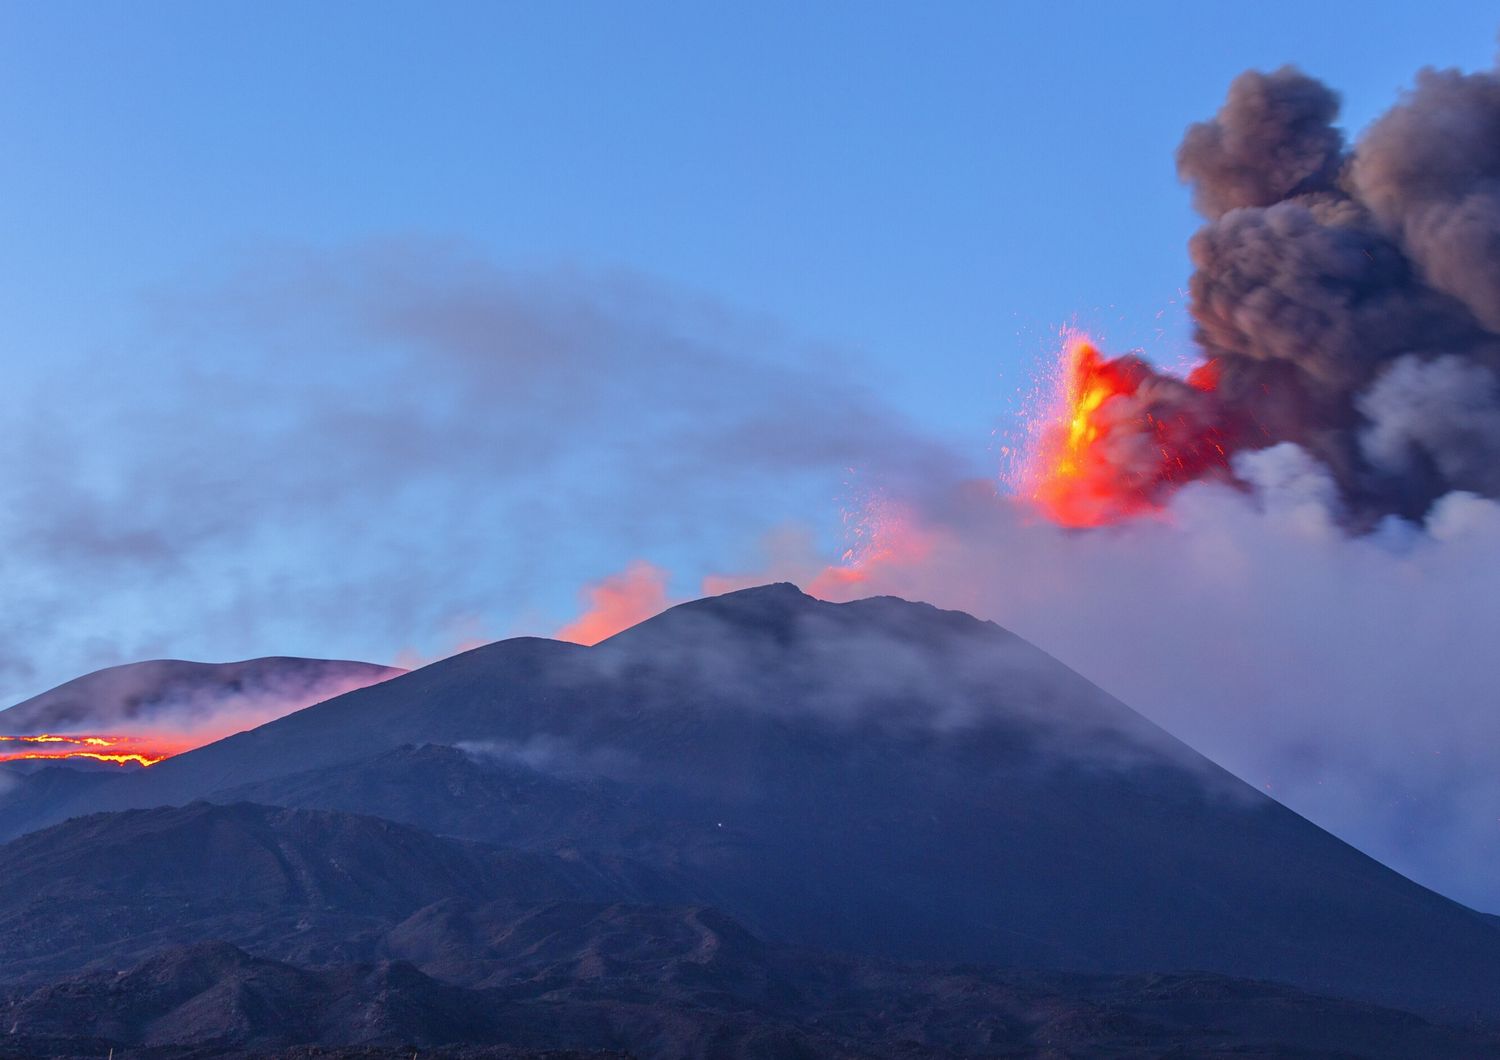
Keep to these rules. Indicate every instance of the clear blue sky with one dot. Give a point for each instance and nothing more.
(929, 189)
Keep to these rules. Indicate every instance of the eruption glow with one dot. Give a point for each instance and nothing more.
(1117, 437)
(618, 602)
(117, 750)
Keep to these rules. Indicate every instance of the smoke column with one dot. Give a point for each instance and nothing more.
(1345, 299)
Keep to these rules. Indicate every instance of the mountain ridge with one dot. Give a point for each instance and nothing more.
(878, 777)
(158, 707)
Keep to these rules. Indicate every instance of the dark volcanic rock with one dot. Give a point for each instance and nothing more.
(401, 940)
(745, 1000)
(483, 794)
(305, 885)
(85, 1049)
(215, 994)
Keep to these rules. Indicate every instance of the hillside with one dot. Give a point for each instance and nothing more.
(879, 777)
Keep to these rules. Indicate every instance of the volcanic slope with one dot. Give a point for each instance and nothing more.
(307, 886)
(878, 777)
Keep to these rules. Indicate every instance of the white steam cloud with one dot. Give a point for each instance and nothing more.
(1349, 677)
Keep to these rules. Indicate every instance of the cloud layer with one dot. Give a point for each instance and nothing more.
(1346, 299)
(388, 448)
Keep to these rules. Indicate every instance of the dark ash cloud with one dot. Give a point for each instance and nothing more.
(1272, 139)
(1346, 300)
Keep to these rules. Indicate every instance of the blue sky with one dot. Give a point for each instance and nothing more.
(920, 194)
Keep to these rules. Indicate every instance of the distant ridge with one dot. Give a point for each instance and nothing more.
(182, 693)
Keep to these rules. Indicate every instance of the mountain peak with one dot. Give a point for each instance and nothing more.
(770, 590)
(773, 609)
(771, 596)
(782, 613)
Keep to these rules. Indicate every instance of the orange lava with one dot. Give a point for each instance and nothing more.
(1205, 376)
(116, 750)
(119, 760)
(1067, 476)
(1118, 437)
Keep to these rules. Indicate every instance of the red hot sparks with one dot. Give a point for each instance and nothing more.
(1119, 437)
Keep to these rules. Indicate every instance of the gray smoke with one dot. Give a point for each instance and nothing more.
(1274, 138)
(1443, 412)
(1429, 171)
(371, 447)
(1347, 301)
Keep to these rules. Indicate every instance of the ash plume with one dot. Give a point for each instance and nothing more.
(1346, 299)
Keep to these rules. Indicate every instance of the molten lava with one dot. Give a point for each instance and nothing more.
(1118, 437)
(116, 750)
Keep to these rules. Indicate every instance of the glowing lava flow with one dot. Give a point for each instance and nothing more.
(1118, 436)
(116, 750)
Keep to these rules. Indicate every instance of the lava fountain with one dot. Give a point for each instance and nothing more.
(1117, 437)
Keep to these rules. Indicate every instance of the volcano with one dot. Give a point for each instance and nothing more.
(878, 778)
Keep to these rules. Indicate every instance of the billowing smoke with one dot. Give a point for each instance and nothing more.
(1345, 299)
